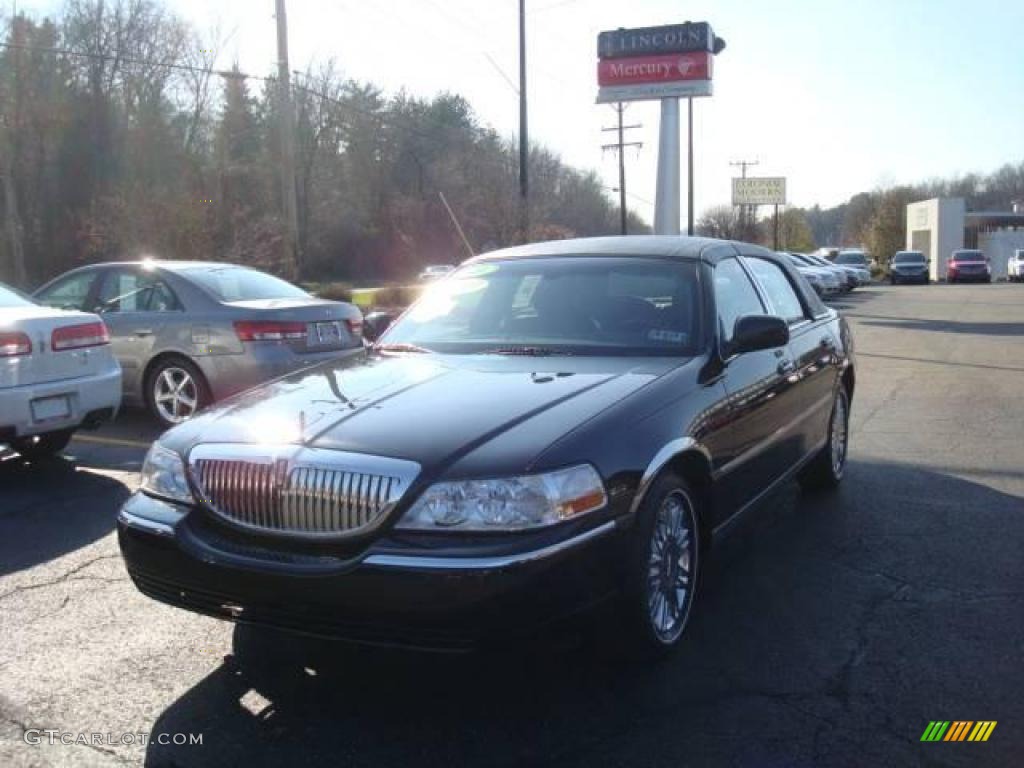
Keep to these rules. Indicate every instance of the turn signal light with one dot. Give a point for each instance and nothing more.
(269, 330)
(79, 336)
(14, 344)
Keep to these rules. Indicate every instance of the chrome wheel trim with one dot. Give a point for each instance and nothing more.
(175, 395)
(671, 567)
(839, 435)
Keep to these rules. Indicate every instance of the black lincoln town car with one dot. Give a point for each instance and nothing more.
(548, 428)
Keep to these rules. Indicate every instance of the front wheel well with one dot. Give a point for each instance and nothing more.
(694, 467)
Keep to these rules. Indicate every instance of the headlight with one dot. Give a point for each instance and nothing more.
(163, 474)
(508, 504)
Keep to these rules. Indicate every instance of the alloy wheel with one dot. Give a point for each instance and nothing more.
(672, 566)
(175, 394)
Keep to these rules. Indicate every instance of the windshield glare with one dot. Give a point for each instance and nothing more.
(575, 305)
(968, 256)
(239, 284)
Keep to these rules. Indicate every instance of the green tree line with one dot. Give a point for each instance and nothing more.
(120, 137)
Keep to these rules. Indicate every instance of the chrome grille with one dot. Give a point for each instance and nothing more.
(294, 491)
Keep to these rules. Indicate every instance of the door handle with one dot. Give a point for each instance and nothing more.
(144, 332)
(827, 343)
(785, 366)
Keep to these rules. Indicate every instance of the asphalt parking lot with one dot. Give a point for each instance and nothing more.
(830, 631)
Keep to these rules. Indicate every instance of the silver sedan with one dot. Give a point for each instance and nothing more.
(187, 333)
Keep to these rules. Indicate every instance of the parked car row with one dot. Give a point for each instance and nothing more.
(827, 278)
(963, 265)
(170, 336)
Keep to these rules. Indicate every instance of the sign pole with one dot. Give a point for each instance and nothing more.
(776, 226)
(666, 201)
(689, 168)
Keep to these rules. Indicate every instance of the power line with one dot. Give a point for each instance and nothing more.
(620, 146)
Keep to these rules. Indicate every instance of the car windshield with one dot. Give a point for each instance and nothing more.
(241, 284)
(12, 298)
(968, 256)
(852, 258)
(571, 305)
(909, 258)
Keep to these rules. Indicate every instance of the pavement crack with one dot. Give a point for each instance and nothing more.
(66, 577)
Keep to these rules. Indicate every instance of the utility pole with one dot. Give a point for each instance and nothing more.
(286, 126)
(744, 209)
(619, 146)
(524, 134)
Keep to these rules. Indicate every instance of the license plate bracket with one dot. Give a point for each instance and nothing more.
(325, 334)
(51, 408)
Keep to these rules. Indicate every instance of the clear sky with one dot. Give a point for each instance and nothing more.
(837, 96)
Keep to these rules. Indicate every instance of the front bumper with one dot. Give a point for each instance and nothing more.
(411, 599)
(89, 398)
(910, 277)
(259, 363)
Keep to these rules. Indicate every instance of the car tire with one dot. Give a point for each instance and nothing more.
(665, 549)
(44, 446)
(826, 470)
(175, 391)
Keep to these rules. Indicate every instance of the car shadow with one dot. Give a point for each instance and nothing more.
(52, 507)
(945, 326)
(828, 629)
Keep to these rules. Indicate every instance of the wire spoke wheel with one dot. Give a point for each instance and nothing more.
(671, 566)
(175, 394)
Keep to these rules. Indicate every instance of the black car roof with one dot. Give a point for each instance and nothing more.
(679, 247)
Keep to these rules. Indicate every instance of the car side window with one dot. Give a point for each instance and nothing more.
(735, 296)
(126, 290)
(780, 292)
(70, 293)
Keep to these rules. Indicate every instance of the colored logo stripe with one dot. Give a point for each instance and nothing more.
(958, 730)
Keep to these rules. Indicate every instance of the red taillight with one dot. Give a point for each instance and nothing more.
(269, 331)
(355, 327)
(78, 336)
(14, 344)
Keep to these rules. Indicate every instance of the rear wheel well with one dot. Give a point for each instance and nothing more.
(848, 381)
(152, 366)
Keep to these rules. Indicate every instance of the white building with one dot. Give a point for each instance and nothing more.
(942, 225)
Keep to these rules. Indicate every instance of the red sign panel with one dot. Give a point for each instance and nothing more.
(663, 68)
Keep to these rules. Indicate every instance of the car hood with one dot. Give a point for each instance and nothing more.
(435, 410)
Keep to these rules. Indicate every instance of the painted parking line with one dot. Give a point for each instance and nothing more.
(111, 441)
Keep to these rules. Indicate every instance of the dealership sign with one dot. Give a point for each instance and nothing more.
(673, 61)
(759, 191)
(645, 41)
(667, 68)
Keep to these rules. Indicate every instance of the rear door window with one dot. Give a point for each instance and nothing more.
(780, 292)
(71, 292)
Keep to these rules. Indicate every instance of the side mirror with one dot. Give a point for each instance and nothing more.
(375, 323)
(754, 332)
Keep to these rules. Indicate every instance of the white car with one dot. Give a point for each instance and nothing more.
(57, 373)
(1015, 267)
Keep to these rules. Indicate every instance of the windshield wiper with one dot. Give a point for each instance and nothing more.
(525, 351)
(402, 347)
